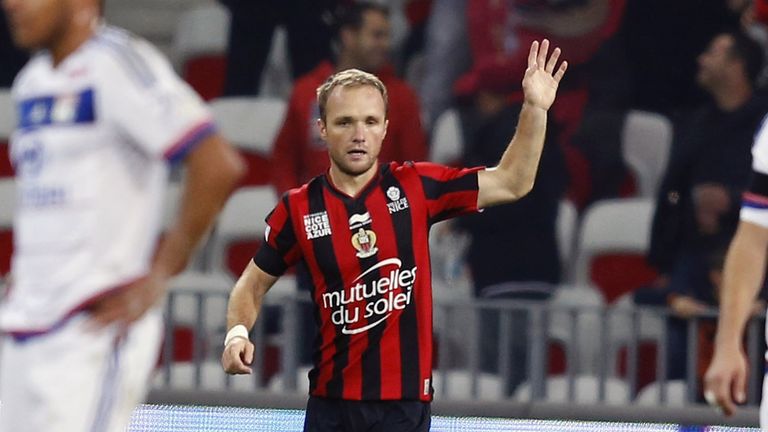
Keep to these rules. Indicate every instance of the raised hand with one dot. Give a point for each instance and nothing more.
(541, 78)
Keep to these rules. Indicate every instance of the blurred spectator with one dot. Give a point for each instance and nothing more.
(11, 58)
(581, 28)
(699, 199)
(417, 13)
(509, 256)
(663, 56)
(446, 57)
(308, 25)
(299, 153)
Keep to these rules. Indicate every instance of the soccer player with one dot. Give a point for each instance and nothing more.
(101, 117)
(362, 230)
(725, 383)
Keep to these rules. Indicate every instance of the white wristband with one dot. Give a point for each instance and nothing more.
(238, 331)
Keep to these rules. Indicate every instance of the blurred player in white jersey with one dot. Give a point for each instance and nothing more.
(101, 117)
(725, 383)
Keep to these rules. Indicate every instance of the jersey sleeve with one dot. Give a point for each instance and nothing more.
(149, 103)
(754, 206)
(279, 250)
(449, 192)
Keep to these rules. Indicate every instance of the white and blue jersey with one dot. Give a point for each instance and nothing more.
(755, 203)
(91, 152)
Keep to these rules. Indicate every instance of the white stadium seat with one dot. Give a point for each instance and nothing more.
(251, 123)
(646, 140)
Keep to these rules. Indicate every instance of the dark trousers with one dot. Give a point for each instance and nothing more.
(250, 39)
(336, 415)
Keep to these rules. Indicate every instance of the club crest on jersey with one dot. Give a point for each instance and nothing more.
(363, 239)
(397, 203)
(393, 193)
(317, 225)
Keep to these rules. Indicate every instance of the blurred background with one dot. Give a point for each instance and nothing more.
(593, 298)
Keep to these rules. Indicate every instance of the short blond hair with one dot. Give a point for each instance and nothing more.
(349, 78)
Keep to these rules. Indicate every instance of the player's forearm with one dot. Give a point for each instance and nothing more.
(211, 176)
(247, 296)
(515, 174)
(744, 271)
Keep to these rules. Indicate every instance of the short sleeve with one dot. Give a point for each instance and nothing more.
(754, 206)
(148, 102)
(449, 192)
(279, 250)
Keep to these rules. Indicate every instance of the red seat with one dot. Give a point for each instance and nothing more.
(206, 74)
(618, 274)
(646, 363)
(6, 168)
(6, 250)
(259, 169)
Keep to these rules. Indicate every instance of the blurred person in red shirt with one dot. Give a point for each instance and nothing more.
(364, 43)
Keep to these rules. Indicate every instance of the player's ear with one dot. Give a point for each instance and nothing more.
(386, 125)
(321, 127)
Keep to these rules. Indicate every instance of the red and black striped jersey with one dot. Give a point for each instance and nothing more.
(369, 260)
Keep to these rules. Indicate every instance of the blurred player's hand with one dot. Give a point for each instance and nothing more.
(725, 380)
(237, 356)
(127, 304)
(541, 78)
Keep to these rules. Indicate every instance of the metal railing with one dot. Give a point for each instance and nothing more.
(601, 351)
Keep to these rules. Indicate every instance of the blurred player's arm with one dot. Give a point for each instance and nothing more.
(725, 380)
(213, 169)
(242, 310)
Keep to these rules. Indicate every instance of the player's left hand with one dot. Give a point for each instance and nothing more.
(127, 304)
(541, 78)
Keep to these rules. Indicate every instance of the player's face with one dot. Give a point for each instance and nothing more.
(373, 42)
(354, 127)
(35, 24)
(714, 61)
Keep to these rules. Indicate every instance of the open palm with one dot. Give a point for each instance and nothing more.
(541, 79)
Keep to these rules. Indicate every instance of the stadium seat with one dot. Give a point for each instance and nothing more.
(7, 206)
(187, 291)
(675, 397)
(447, 144)
(251, 124)
(646, 140)
(650, 328)
(240, 230)
(567, 220)
(586, 390)
(575, 314)
(7, 125)
(212, 377)
(200, 48)
(457, 384)
(610, 253)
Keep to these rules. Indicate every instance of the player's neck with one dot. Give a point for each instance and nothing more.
(351, 185)
(83, 26)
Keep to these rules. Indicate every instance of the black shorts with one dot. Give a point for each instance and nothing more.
(337, 415)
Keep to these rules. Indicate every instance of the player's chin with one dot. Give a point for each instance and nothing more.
(356, 168)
